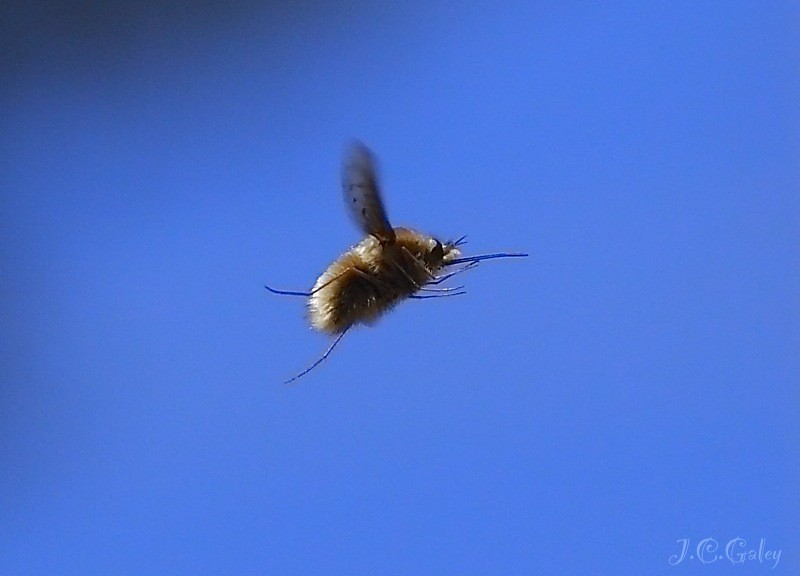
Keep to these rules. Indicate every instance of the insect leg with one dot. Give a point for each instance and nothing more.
(306, 294)
(447, 291)
(446, 295)
(321, 358)
(287, 292)
(408, 277)
(420, 264)
(453, 289)
(370, 278)
(449, 275)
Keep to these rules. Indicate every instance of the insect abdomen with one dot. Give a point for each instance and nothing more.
(366, 281)
(348, 298)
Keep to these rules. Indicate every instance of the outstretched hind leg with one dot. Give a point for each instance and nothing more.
(310, 292)
(320, 359)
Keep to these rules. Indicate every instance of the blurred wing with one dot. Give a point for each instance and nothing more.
(362, 195)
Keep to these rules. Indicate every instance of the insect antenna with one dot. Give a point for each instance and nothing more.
(480, 257)
(320, 359)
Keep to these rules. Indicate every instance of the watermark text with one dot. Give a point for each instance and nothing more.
(736, 551)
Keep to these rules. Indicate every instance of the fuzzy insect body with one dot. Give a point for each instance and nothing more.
(372, 277)
(389, 265)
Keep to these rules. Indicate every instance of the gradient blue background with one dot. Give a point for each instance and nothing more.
(632, 383)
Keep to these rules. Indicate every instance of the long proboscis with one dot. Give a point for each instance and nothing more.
(480, 257)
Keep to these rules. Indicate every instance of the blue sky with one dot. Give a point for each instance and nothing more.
(631, 384)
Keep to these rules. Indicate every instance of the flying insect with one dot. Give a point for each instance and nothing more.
(388, 266)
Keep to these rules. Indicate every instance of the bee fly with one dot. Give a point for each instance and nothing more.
(386, 267)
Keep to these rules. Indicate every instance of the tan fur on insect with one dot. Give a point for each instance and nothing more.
(372, 277)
